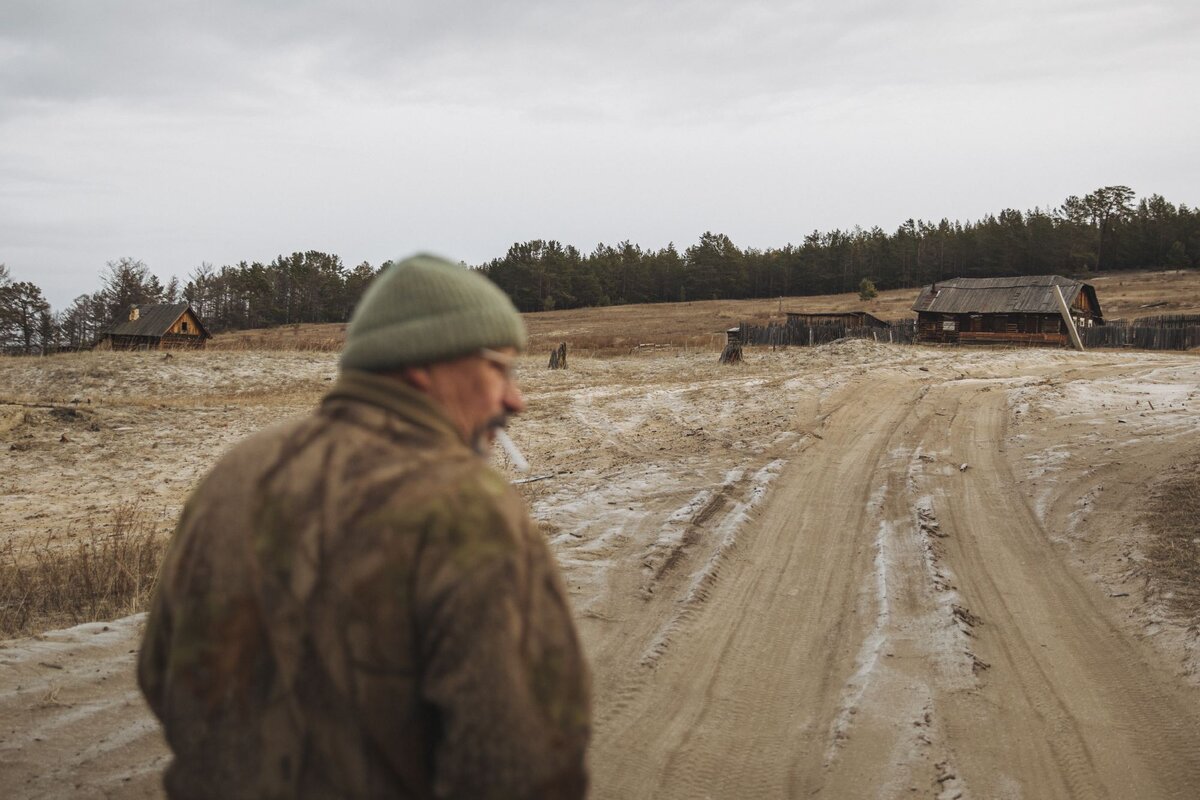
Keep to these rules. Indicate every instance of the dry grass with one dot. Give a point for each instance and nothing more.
(105, 572)
(323, 338)
(614, 330)
(1173, 553)
(610, 330)
(1125, 295)
(107, 568)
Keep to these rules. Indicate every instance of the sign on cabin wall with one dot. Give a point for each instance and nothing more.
(948, 325)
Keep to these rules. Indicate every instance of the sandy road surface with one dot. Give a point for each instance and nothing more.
(72, 723)
(898, 621)
(787, 582)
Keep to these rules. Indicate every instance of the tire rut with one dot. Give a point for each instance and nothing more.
(1094, 709)
(779, 614)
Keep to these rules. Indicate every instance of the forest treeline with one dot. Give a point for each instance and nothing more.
(1106, 230)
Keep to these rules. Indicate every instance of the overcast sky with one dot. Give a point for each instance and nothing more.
(181, 133)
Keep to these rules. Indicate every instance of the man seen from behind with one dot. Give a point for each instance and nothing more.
(354, 604)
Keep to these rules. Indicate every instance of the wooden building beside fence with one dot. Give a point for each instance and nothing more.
(850, 319)
(157, 327)
(1021, 310)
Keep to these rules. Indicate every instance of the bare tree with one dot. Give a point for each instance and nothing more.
(127, 282)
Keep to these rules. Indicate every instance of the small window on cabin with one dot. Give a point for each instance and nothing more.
(183, 327)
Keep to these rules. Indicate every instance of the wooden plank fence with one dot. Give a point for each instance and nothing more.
(1142, 337)
(1180, 332)
(1164, 321)
(795, 334)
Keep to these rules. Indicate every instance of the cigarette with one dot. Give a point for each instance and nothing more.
(510, 449)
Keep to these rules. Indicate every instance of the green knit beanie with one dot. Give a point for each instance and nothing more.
(426, 309)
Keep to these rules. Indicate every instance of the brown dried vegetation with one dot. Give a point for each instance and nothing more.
(1173, 551)
(82, 435)
(619, 330)
(107, 571)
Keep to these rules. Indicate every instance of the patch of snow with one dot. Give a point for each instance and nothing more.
(868, 653)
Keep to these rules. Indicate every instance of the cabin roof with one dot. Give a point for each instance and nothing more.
(1027, 294)
(863, 315)
(155, 320)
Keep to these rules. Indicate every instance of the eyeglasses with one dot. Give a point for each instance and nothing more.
(504, 362)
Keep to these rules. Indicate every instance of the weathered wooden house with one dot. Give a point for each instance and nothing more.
(1022, 310)
(157, 327)
(851, 319)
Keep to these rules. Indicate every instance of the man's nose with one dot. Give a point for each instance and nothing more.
(514, 401)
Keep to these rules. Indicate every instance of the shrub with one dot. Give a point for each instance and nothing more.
(103, 573)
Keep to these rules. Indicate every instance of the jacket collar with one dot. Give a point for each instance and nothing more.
(395, 397)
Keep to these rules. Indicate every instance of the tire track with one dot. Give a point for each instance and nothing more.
(897, 621)
(888, 739)
(743, 701)
(1101, 720)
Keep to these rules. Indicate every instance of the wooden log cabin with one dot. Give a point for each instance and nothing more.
(157, 327)
(1021, 310)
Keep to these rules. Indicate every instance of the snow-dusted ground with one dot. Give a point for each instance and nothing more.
(650, 465)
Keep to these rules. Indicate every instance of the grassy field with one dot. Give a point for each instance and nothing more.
(621, 329)
(925, 509)
(101, 447)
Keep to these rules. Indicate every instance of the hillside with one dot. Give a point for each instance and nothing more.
(702, 324)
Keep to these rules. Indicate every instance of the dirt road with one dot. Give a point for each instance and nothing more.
(852, 571)
(898, 623)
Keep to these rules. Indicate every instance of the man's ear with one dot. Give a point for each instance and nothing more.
(418, 378)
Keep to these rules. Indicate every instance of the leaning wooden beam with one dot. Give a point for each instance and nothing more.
(1066, 315)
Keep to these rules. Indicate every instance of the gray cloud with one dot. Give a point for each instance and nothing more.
(640, 57)
(180, 132)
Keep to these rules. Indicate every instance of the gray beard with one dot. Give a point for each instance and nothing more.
(479, 442)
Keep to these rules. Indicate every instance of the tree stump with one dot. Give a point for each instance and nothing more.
(732, 354)
(558, 357)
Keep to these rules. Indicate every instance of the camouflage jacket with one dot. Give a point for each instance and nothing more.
(354, 605)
